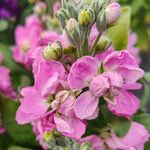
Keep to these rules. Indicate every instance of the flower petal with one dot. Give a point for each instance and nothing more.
(82, 72)
(127, 104)
(85, 105)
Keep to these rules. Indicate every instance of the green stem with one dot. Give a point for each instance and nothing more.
(95, 44)
(50, 7)
(79, 52)
(86, 41)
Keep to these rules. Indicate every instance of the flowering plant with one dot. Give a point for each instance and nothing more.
(85, 68)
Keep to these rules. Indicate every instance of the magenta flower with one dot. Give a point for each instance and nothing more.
(26, 38)
(120, 76)
(5, 81)
(136, 132)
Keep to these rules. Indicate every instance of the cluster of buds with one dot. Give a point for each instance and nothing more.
(56, 141)
(78, 17)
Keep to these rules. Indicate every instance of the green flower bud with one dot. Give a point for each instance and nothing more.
(96, 6)
(40, 8)
(101, 22)
(48, 136)
(75, 33)
(86, 146)
(72, 10)
(62, 16)
(103, 44)
(86, 18)
(53, 51)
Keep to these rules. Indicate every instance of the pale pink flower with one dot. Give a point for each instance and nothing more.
(120, 76)
(135, 139)
(26, 38)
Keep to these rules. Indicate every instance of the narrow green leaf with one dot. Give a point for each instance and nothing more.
(147, 77)
(119, 33)
(22, 134)
(18, 148)
(143, 119)
(147, 146)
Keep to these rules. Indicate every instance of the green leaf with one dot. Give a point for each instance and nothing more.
(22, 134)
(3, 25)
(143, 119)
(18, 148)
(119, 33)
(147, 77)
(147, 146)
(121, 126)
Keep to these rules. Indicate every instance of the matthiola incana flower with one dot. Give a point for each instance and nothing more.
(5, 81)
(47, 95)
(114, 84)
(27, 37)
(133, 140)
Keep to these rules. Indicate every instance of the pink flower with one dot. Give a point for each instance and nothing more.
(5, 81)
(37, 99)
(66, 121)
(26, 38)
(42, 125)
(120, 76)
(136, 132)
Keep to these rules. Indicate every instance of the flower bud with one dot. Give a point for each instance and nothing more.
(86, 18)
(86, 146)
(113, 12)
(48, 136)
(62, 17)
(75, 32)
(101, 22)
(72, 10)
(53, 51)
(103, 44)
(40, 8)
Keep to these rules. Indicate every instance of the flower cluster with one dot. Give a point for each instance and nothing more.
(76, 74)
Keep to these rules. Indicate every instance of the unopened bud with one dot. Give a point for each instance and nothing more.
(86, 146)
(53, 51)
(40, 8)
(72, 10)
(75, 32)
(103, 44)
(62, 17)
(113, 12)
(48, 136)
(71, 24)
(86, 18)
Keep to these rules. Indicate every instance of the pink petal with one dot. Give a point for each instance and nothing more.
(71, 127)
(115, 143)
(1, 57)
(138, 133)
(82, 72)
(130, 73)
(97, 143)
(117, 59)
(85, 105)
(127, 104)
(5, 83)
